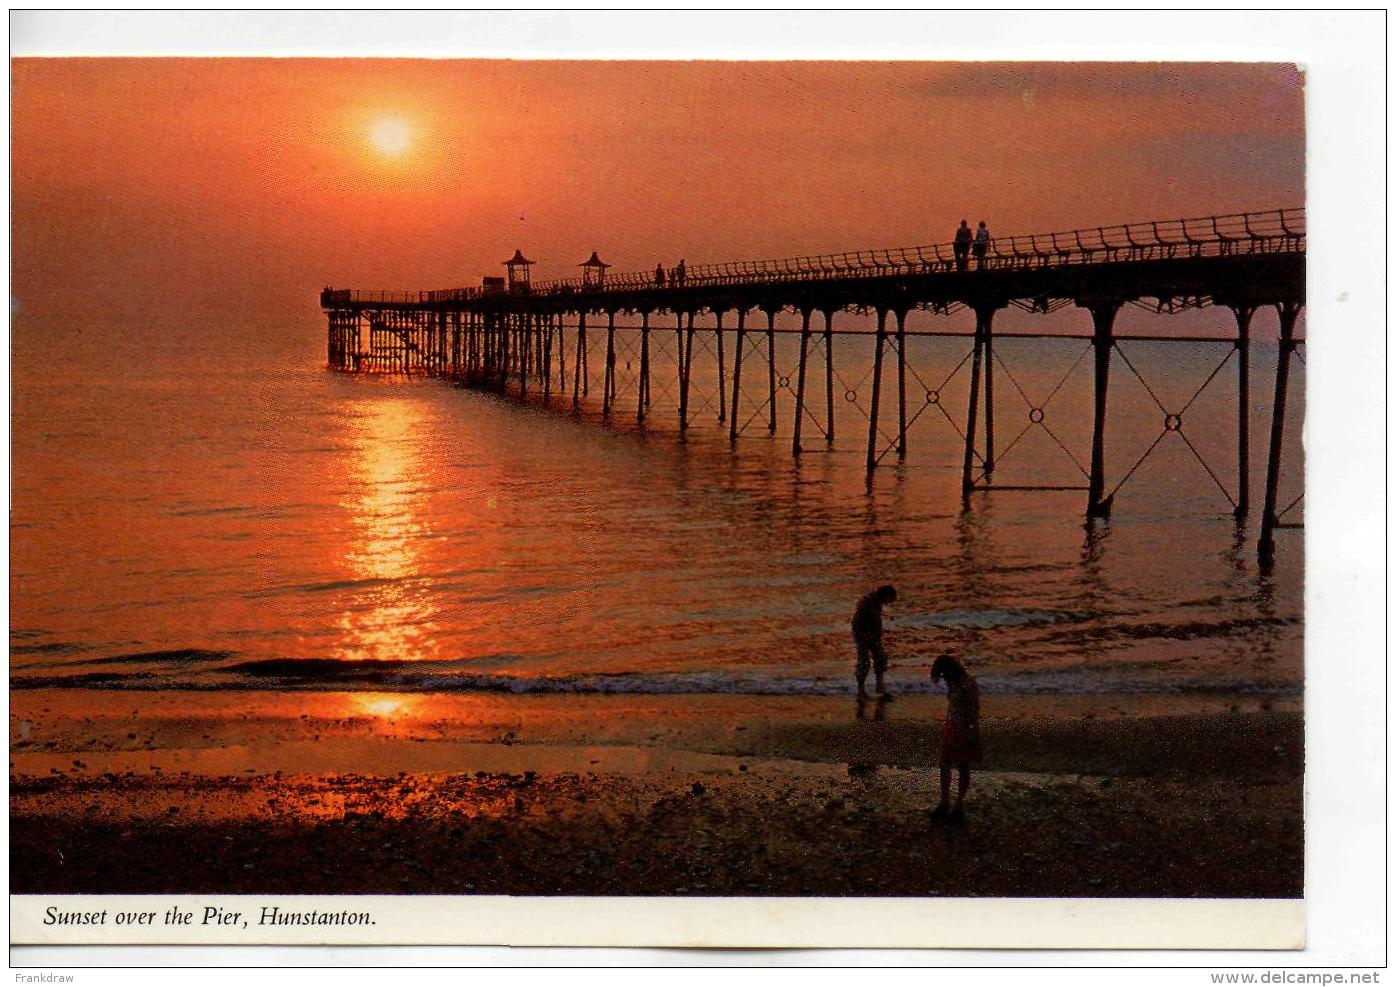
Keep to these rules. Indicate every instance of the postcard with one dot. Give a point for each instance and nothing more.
(652, 503)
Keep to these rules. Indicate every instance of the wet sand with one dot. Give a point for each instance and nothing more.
(689, 795)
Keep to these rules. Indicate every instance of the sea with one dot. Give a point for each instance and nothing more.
(209, 508)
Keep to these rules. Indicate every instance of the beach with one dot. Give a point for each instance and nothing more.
(422, 793)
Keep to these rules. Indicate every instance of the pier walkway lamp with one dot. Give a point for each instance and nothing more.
(518, 266)
(593, 271)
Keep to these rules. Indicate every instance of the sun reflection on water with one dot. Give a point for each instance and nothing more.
(392, 616)
(383, 706)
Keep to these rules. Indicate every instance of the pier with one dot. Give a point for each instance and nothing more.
(534, 341)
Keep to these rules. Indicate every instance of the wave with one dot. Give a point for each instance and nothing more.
(334, 675)
(178, 656)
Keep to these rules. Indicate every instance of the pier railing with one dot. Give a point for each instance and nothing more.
(1272, 231)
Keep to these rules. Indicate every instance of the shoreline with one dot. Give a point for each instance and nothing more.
(1101, 796)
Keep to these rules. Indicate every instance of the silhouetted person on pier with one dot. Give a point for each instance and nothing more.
(659, 275)
(981, 244)
(963, 237)
(959, 736)
(680, 273)
(867, 637)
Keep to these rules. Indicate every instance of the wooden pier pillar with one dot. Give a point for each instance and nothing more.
(560, 324)
(876, 388)
(644, 387)
(472, 365)
(504, 327)
(468, 329)
(800, 381)
(543, 343)
(721, 371)
(678, 347)
(989, 398)
(771, 363)
(1244, 314)
(983, 318)
(901, 384)
(679, 371)
(545, 337)
(737, 374)
(492, 355)
(1103, 318)
(489, 330)
(608, 382)
(484, 324)
(524, 322)
(579, 379)
(829, 375)
(511, 349)
(1269, 519)
(685, 375)
(495, 351)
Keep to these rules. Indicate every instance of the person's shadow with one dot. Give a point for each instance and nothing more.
(879, 711)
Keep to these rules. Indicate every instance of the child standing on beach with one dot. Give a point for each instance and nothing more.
(867, 636)
(959, 737)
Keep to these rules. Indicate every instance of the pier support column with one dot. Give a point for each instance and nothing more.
(490, 352)
(502, 341)
(561, 354)
(1269, 519)
(800, 381)
(507, 355)
(468, 343)
(737, 375)
(901, 384)
(829, 375)
(644, 387)
(771, 364)
(453, 359)
(721, 370)
(983, 317)
(679, 371)
(545, 337)
(1244, 314)
(685, 374)
(1103, 317)
(494, 346)
(678, 348)
(525, 350)
(988, 398)
(608, 381)
(579, 379)
(876, 388)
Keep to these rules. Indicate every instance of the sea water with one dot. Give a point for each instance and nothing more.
(209, 508)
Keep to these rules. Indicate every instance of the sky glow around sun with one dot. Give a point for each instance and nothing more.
(391, 136)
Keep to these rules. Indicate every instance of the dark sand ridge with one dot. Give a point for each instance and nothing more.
(599, 795)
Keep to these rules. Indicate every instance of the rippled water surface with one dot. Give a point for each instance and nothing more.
(210, 508)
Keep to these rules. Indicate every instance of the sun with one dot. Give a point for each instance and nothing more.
(391, 136)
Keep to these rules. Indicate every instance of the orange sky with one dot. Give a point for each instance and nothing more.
(165, 190)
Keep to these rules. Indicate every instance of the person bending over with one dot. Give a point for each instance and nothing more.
(867, 637)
